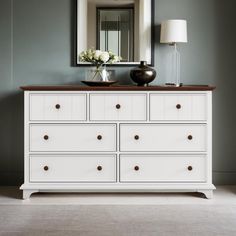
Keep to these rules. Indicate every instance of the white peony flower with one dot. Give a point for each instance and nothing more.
(81, 56)
(104, 57)
(97, 54)
(116, 58)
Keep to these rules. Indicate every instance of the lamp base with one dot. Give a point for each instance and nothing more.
(173, 75)
(174, 85)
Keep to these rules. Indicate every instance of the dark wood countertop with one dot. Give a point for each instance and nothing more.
(116, 88)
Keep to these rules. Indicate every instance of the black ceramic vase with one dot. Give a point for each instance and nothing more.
(143, 74)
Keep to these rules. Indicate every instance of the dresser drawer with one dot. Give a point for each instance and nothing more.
(118, 107)
(86, 168)
(178, 107)
(169, 168)
(72, 137)
(163, 137)
(57, 107)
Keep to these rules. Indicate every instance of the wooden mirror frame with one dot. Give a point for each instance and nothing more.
(79, 25)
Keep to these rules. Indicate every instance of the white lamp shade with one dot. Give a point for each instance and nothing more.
(174, 31)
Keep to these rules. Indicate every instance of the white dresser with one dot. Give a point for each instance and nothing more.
(118, 139)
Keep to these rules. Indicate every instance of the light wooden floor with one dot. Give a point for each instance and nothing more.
(13, 196)
(118, 214)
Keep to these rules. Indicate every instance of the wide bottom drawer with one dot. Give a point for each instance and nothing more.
(157, 168)
(73, 168)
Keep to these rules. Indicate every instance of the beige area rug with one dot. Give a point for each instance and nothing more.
(122, 220)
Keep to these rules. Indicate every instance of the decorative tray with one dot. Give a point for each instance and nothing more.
(98, 83)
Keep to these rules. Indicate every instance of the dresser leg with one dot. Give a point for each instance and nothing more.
(208, 193)
(27, 193)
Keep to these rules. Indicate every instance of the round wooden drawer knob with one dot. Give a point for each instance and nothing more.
(136, 168)
(136, 137)
(46, 168)
(46, 137)
(190, 137)
(58, 106)
(178, 106)
(99, 168)
(118, 106)
(99, 137)
(190, 168)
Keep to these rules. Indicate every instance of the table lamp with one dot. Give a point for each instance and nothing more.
(173, 32)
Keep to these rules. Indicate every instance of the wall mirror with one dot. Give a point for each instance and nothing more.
(124, 27)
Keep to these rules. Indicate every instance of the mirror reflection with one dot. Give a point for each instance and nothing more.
(115, 32)
(120, 26)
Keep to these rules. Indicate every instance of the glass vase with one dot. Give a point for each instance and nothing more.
(99, 74)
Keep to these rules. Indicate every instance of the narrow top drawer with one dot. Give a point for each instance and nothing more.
(57, 107)
(178, 107)
(118, 107)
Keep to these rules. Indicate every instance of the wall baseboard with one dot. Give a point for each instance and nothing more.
(11, 178)
(17, 178)
(224, 178)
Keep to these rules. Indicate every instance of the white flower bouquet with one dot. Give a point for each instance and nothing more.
(99, 59)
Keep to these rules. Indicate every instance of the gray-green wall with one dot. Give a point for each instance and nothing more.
(35, 48)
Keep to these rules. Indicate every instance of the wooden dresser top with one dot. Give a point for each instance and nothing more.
(116, 88)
